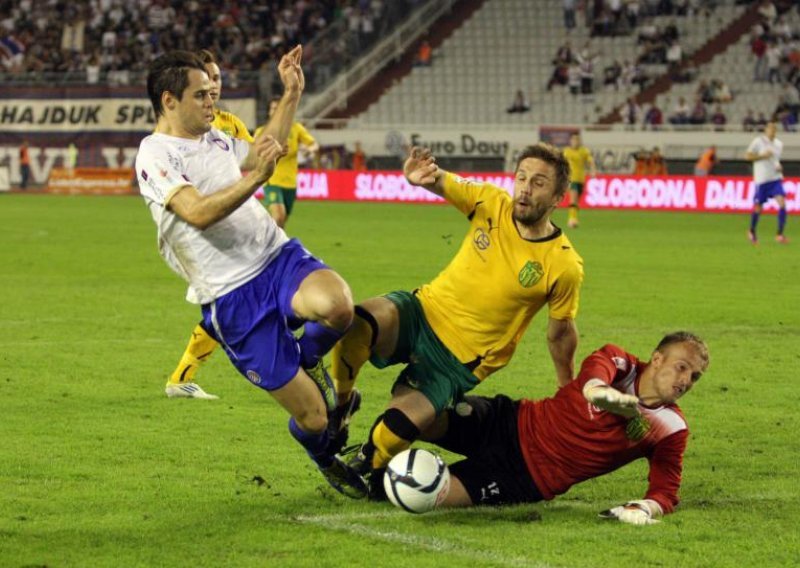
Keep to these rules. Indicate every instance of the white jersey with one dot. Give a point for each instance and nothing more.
(769, 169)
(230, 252)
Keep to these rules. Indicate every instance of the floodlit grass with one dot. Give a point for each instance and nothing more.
(99, 468)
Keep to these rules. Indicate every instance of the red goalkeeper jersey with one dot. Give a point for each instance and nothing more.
(566, 440)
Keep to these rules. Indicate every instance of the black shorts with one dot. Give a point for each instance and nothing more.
(494, 472)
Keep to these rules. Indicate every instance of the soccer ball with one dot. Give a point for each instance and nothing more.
(417, 480)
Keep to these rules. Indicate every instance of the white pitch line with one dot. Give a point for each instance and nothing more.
(340, 523)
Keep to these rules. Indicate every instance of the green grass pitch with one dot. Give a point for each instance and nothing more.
(99, 468)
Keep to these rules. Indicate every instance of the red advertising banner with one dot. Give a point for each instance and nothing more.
(671, 193)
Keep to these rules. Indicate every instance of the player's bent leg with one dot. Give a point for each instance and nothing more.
(199, 349)
(751, 232)
(367, 334)
(324, 299)
(374, 331)
(572, 215)
(780, 237)
(308, 425)
(408, 414)
(301, 398)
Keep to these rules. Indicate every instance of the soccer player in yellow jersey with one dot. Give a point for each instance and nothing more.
(466, 324)
(201, 345)
(228, 122)
(578, 157)
(281, 190)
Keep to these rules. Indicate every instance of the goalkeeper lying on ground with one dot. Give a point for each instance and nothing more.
(617, 410)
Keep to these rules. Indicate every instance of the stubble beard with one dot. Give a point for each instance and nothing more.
(535, 215)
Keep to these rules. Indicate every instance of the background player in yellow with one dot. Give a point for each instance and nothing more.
(201, 345)
(467, 323)
(578, 157)
(281, 190)
(228, 122)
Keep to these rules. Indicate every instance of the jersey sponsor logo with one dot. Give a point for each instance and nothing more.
(253, 377)
(481, 239)
(530, 274)
(221, 143)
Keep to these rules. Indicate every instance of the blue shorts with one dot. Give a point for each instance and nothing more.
(254, 322)
(768, 190)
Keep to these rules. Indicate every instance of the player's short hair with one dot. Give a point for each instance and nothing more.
(550, 155)
(685, 337)
(207, 56)
(170, 72)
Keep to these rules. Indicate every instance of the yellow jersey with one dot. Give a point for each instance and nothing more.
(577, 158)
(231, 125)
(480, 305)
(285, 174)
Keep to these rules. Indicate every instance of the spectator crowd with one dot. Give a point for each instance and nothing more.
(113, 39)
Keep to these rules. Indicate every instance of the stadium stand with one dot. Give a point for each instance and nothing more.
(737, 67)
(111, 40)
(503, 48)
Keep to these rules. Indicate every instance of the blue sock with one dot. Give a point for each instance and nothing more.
(754, 221)
(781, 220)
(317, 340)
(316, 445)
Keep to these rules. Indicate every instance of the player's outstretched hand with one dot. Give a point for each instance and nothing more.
(420, 167)
(632, 513)
(290, 71)
(268, 151)
(610, 399)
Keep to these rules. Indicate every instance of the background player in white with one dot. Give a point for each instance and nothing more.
(765, 153)
(255, 286)
(617, 410)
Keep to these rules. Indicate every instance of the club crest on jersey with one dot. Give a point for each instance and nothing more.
(481, 239)
(254, 377)
(530, 274)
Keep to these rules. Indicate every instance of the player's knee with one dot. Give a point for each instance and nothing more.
(391, 435)
(337, 309)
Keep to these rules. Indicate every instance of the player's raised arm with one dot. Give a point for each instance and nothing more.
(420, 169)
(202, 211)
(280, 123)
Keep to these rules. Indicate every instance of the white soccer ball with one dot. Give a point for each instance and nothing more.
(417, 480)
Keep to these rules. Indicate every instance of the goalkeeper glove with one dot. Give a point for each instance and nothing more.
(634, 512)
(610, 399)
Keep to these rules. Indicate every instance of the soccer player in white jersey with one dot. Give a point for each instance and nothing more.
(617, 410)
(765, 153)
(254, 285)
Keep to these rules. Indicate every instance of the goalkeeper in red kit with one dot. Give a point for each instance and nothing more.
(617, 410)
